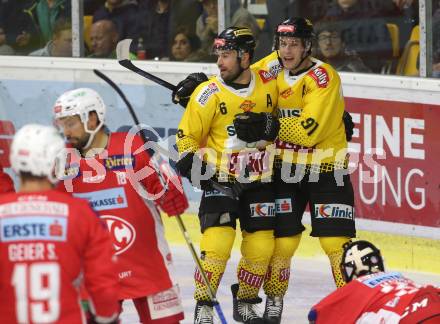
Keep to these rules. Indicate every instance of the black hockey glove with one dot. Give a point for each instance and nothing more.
(186, 164)
(252, 127)
(349, 125)
(186, 87)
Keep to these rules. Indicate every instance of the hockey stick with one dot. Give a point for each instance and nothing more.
(123, 56)
(178, 217)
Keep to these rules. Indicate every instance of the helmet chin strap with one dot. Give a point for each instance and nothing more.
(92, 134)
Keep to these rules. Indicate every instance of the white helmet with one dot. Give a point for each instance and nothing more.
(38, 149)
(81, 102)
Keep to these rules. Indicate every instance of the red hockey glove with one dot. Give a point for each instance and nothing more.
(173, 201)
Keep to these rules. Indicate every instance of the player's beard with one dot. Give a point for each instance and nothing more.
(233, 75)
(79, 143)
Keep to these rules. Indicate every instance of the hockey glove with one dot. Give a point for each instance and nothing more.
(185, 166)
(186, 87)
(252, 127)
(349, 125)
(173, 202)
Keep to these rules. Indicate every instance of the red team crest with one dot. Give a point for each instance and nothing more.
(320, 76)
(122, 233)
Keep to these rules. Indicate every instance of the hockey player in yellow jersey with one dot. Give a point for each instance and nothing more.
(312, 163)
(208, 123)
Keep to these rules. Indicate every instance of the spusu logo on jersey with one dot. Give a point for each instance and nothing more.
(320, 76)
(121, 231)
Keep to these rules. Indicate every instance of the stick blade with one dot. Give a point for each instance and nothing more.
(123, 49)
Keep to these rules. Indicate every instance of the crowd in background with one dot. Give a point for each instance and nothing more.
(353, 35)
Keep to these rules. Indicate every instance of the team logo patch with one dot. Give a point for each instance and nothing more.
(29, 228)
(121, 231)
(105, 199)
(283, 205)
(117, 162)
(287, 93)
(266, 76)
(266, 209)
(320, 76)
(334, 211)
(247, 105)
(207, 92)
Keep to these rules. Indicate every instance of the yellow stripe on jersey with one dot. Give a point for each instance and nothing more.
(208, 120)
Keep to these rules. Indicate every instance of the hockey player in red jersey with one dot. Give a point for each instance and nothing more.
(375, 296)
(6, 184)
(51, 242)
(114, 172)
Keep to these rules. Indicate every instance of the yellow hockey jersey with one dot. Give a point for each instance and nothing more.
(310, 108)
(208, 123)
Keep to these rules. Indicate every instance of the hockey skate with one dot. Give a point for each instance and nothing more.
(273, 310)
(204, 313)
(245, 310)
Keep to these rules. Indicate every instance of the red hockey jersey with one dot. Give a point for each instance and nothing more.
(49, 243)
(122, 187)
(6, 184)
(384, 297)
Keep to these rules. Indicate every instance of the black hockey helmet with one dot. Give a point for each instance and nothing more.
(239, 39)
(360, 258)
(294, 27)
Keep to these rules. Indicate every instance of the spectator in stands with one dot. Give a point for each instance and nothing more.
(90, 6)
(61, 43)
(331, 49)
(403, 13)
(154, 27)
(22, 32)
(363, 31)
(46, 13)
(279, 10)
(4, 48)
(243, 18)
(104, 38)
(186, 47)
(123, 13)
(184, 13)
(207, 23)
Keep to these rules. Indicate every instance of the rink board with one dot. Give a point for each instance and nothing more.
(397, 187)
